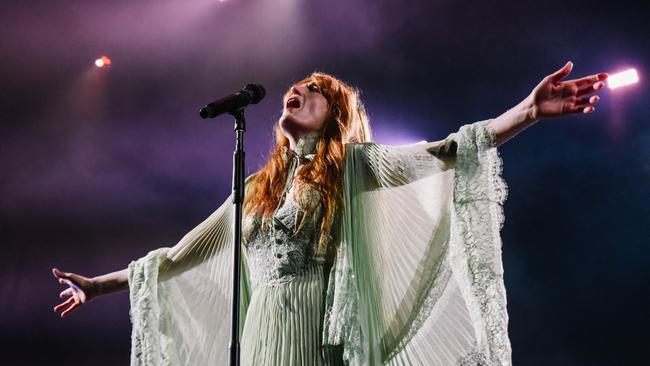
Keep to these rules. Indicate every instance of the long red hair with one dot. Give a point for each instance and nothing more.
(346, 122)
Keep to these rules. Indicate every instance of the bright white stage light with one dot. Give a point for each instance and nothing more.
(103, 61)
(619, 79)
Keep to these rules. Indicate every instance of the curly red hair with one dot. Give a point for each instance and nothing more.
(346, 122)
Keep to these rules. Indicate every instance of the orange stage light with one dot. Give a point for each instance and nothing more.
(103, 61)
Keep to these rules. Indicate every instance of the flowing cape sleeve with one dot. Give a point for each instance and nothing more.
(180, 297)
(418, 277)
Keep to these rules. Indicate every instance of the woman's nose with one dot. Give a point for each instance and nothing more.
(296, 90)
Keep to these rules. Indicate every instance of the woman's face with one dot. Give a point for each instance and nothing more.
(305, 110)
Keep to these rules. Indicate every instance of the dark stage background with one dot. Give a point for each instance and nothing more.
(99, 166)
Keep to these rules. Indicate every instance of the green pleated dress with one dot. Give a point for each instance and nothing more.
(288, 279)
(413, 277)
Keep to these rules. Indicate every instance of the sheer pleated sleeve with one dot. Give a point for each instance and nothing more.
(180, 297)
(418, 277)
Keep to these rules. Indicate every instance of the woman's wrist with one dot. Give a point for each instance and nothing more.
(97, 287)
(530, 110)
(109, 283)
(514, 120)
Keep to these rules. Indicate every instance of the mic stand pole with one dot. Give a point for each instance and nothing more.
(238, 200)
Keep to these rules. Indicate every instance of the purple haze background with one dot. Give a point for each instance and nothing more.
(99, 166)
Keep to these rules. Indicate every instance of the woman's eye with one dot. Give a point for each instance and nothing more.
(313, 87)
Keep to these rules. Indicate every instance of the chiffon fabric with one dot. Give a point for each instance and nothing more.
(413, 276)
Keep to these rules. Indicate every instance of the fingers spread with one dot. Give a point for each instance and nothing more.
(59, 274)
(70, 309)
(561, 73)
(64, 304)
(587, 81)
(75, 277)
(65, 293)
(591, 88)
(582, 109)
(586, 101)
(599, 85)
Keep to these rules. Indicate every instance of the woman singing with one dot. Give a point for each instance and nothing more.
(354, 252)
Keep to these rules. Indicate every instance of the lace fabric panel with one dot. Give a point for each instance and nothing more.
(479, 194)
(145, 340)
(278, 252)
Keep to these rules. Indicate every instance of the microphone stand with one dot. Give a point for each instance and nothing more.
(238, 200)
(234, 104)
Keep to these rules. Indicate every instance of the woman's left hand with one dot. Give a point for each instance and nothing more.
(553, 97)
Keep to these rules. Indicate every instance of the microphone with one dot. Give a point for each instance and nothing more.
(251, 94)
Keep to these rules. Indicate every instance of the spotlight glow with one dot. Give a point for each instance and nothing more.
(103, 61)
(619, 79)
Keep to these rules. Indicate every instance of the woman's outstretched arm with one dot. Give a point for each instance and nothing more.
(551, 98)
(83, 289)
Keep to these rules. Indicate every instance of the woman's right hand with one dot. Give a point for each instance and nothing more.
(80, 290)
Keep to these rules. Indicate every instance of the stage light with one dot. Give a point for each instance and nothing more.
(619, 79)
(103, 61)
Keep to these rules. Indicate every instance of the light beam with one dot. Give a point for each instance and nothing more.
(619, 79)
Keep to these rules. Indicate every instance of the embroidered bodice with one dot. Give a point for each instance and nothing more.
(280, 249)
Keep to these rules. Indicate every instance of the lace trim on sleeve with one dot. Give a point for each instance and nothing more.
(146, 347)
(480, 166)
(341, 324)
(479, 194)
